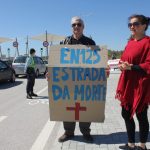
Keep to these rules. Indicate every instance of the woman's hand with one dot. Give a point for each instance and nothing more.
(124, 65)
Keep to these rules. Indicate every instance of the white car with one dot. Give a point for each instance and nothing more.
(20, 61)
(113, 64)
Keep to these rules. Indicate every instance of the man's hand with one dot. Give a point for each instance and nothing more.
(107, 71)
(47, 76)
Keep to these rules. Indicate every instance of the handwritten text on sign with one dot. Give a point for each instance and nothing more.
(83, 92)
(86, 56)
(78, 83)
(78, 56)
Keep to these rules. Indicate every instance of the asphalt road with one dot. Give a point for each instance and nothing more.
(25, 125)
(21, 119)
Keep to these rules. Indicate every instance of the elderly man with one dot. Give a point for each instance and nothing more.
(77, 38)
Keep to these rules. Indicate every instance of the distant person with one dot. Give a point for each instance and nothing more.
(134, 84)
(30, 72)
(113, 56)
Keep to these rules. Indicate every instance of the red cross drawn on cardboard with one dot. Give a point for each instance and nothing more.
(77, 110)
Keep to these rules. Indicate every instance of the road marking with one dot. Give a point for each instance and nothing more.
(2, 118)
(41, 101)
(38, 101)
(42, 90)
(41, 140)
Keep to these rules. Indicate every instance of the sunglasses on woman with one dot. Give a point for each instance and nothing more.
(76, 24)
(134, 24)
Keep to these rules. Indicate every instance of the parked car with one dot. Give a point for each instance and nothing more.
(113, 64)
(8, 62)
(20, 61)
(46, 64)
(7, 73)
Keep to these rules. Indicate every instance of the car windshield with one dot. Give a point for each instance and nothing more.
(20, 60)
(45, 62)
(2, 65)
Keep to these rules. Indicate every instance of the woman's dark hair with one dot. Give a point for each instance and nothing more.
(32, 50)
(142, 19)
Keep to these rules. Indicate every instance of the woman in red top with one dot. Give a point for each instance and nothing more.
(134, 84)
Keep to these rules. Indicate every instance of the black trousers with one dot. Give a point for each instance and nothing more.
(70, 127)
(130, 125)
(30, 83)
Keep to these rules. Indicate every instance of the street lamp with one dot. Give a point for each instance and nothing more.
(41, 51)
(8, 53)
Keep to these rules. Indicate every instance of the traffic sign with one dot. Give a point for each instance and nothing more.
(45, 44)
(15, 44)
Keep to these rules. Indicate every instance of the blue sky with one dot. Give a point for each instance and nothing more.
(105, 20)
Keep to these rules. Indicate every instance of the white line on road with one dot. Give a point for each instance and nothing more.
(39, 92)
(2, 118)
(37, 101)
(40, 142)
(42, 90)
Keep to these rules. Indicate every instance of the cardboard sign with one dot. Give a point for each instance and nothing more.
(77, 83)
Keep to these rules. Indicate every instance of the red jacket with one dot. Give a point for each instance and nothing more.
(133, 88)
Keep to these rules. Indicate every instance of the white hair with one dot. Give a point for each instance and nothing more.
(76, 18)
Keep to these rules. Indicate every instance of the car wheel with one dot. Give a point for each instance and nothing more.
(37, 73)
(13, 78)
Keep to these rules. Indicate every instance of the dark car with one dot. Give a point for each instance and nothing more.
(7, 73)
(8, 62)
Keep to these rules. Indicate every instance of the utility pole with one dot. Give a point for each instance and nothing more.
(27, 47)
(47, 46)
(15, 44)
(8, 50)
(17, 48)
(1, 53)
(41, 52)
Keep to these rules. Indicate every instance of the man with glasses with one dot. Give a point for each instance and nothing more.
(77, 38)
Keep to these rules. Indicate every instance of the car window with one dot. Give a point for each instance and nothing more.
(40, 61)
(2, 65)
(20, 60)
(8, 62)
(35, 60)
(45, 62)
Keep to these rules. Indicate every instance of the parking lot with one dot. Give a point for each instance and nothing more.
(25, 125)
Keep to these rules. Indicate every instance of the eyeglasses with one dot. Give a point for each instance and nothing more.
(77, 24)
(134, 24)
